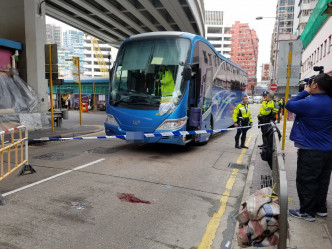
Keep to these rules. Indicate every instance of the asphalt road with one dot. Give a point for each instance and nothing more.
(111, 194)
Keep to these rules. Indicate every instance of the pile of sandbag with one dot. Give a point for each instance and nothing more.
(258, 220)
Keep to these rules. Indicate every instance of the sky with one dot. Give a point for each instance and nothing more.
(246, 11)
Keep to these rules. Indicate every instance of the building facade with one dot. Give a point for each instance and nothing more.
(107, 54)
(217, 32)
(244, 50)
(73, 38)
(305, 8)
(53, 34)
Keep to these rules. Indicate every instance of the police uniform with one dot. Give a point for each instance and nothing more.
(266, 114)
(241, 116)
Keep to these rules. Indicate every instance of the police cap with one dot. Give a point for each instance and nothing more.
(265, 93)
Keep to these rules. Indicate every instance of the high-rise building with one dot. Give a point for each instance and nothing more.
(73, 38)
(283, 31)
(244, 50)
(94, 67)
(305, 8)
(53, 34)
(217, 32)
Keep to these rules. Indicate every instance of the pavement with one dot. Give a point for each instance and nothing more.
(302, 234)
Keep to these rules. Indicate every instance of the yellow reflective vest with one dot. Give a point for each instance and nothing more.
(268, 108)
(167, 83)
(243, 111)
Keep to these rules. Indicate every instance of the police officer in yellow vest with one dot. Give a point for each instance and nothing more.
(166, 81)
(242, 117)
(267, 113)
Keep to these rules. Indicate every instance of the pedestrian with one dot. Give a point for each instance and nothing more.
(67, 103)
(266, 114)
(280, 104)
(242, 117)
(312, 135)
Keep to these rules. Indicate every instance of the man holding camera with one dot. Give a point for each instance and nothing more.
(312, 135)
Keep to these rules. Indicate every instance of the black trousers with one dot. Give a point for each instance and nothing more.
(243, 137)
(264, 129)
(313, 179)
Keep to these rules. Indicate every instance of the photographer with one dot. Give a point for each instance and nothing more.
(312, 135)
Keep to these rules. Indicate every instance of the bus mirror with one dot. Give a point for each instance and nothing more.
(186, 72)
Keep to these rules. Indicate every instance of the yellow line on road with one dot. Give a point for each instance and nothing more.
(214, 223)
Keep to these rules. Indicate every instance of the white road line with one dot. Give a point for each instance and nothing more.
(52, 177)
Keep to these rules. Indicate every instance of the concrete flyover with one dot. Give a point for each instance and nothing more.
(115, 20)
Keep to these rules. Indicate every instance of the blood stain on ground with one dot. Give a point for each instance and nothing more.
(131, 198)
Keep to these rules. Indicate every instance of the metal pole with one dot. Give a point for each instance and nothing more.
(51, 85)
(287, 92)
(79, 90)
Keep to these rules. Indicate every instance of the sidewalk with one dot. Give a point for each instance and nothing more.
(302, 234)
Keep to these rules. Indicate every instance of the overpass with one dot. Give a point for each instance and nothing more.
(109, 20)
(115, 20)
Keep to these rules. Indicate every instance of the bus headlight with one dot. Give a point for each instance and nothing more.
(111, 120)
(172, 124)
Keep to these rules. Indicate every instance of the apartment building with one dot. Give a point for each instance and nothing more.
(53, 34)
(217, 32)
(244, 50)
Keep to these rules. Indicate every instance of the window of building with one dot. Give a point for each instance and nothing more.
(290, 8)
(281, 23)
(321, 51)
(290, 16)
(325, 44)
(290, 1)
(289, 23)
(282, 9)
(330, 44)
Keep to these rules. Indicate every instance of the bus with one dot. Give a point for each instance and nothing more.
(206, 87)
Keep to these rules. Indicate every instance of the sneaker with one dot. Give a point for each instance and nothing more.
(321, 214)
(244, 147)
(261, 145)
(296, 213)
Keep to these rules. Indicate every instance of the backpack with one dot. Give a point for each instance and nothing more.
(267, 151)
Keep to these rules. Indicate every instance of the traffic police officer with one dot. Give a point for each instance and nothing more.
(266, 113)
(242, 117)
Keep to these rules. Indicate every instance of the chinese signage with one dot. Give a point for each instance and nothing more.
(266, 72)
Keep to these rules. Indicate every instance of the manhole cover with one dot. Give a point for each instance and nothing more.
(55, 156)
(102, 150)
(237, 166)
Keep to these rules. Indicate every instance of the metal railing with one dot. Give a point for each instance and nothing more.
(13, 151)
(279, 178)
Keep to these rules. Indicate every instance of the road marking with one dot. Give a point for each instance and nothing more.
(214, 223)
(52, 177)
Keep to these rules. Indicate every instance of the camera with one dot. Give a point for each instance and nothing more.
(308, 81)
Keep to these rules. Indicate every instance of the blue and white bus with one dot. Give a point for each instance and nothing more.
(207, 87)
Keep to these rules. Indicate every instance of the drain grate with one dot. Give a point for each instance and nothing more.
(55, 156)
(237, 166)
(266, 181)
(102, 150)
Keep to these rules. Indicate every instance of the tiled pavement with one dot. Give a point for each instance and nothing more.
(322, 228)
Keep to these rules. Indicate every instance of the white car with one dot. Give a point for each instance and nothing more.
(257, 99)
(250, 100)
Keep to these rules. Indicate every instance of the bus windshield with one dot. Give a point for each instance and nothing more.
(148, 74)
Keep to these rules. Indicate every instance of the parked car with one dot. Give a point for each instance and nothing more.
(257, 99)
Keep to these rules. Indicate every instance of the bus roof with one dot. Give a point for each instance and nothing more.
(190, 36)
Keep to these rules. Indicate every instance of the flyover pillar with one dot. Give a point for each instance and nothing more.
(24, 21)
